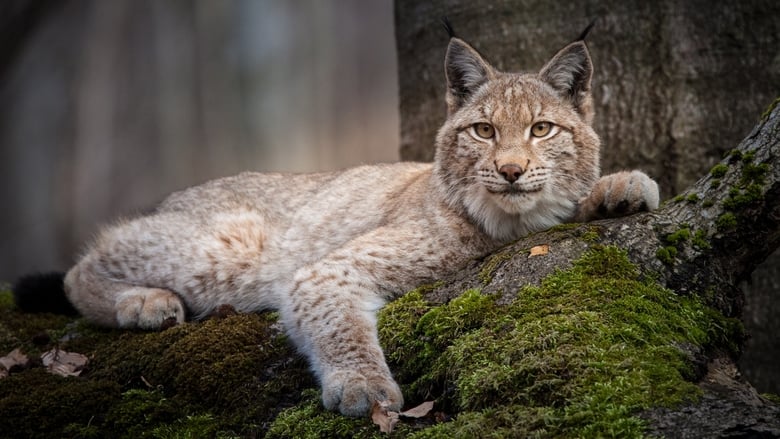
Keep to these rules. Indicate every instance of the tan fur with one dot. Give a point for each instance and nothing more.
(328, 250)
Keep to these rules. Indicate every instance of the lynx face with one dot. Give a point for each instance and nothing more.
(518, 152)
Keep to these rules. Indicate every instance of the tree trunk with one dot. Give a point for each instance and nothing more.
(676, 85)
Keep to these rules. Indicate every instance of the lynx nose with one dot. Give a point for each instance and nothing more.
(511, 172)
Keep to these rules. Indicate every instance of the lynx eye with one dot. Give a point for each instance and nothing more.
(484, 130)
(541, 129)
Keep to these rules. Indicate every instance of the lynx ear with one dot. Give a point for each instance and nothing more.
(569, 72)
(466, 71)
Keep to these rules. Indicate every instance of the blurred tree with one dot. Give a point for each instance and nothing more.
(111, 105)
(676, 85)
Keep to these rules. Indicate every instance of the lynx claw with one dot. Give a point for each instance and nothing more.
(354, 393)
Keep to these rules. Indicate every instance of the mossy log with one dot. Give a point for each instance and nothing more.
(616, 328)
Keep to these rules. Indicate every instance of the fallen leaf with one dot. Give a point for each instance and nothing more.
(15, 358)
(384, 418)
(539, 250)
(64, 363)
(419, 411)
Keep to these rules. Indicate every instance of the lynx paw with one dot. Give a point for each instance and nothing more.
(354, 393)
(148, 308)
(619, 194)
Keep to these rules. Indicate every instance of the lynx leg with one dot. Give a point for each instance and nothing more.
(336, 329)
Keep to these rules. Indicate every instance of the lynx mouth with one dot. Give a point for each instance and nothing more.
(512, 190)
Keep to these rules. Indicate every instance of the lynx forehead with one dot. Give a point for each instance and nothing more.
(516, 155)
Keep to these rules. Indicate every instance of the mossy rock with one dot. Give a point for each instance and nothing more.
(580, 355)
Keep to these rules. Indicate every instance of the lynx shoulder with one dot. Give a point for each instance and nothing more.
(516, 154)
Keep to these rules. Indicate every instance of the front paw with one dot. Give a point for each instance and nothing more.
(353, 393)
(619, 194)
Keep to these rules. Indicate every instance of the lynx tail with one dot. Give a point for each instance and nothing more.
(42, 292)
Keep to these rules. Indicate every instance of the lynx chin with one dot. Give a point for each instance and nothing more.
(516, 154)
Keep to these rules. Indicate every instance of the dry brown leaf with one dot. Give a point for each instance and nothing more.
(539, 250)
(384, 418)
(64, 363)
(419, 411)
(13, 359)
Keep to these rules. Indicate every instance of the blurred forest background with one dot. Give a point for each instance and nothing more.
(108, 106)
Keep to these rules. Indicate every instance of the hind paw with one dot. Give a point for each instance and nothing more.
(148, 308)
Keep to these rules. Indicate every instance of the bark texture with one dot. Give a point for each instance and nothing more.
(676, 85)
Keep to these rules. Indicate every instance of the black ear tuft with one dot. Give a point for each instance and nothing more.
(448, 26)
(585, 33)
(43, 292)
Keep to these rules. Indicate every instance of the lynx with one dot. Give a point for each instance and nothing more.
(516, 154)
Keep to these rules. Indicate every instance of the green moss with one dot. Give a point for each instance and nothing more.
(707, 204)
(746, 193)
(700, 240)
(6, 298)
(692, 198)
(577, 356)
(715, 183)
(564, 227)
(223, 376)
(726, 221)
(213, 365)
(590, 236)
(25, 331)
(35, 403)
(734, 155)
(754, 173)
(192, 427)
(679, 199)
(741, 198)
(666, 254)
(677, 240)
(719, 170)
(140, 411)
(772, 397)
(679, 237)
(765, 115)
(309, 420)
